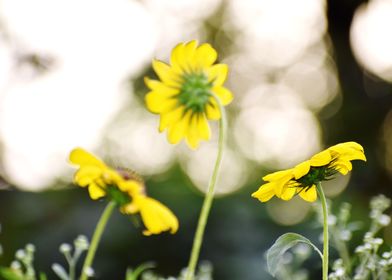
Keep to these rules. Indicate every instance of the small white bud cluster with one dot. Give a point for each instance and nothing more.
(339, 272)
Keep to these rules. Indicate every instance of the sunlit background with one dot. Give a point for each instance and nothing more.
(306, 74)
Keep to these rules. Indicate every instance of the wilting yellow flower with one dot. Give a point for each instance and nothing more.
(183, 96)
(302, 179)
(123, 187)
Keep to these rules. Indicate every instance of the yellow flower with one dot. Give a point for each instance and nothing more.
(92, 173)
(123, 187)
(156, 217)
(183, 96)
(302, 179)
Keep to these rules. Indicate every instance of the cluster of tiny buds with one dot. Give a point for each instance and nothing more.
(384, 220)
(81, 243)
(371, 244)
(89, 271)
(338, 270)
(386, 259)
(25, 255)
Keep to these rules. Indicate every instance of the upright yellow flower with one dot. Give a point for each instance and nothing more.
(302, 179)
(125, 188)
(184, 95)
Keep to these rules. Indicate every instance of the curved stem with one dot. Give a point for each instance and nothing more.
(96, 238)
(205, 210)
(325, 230)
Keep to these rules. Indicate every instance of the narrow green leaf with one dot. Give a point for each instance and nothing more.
(281, 245)
(42, 276)
(134, 274)
(7, 273)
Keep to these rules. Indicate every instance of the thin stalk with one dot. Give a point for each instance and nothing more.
(96, 238)
(325, 230)
(72, 270)
(205, 210)
(342, 249)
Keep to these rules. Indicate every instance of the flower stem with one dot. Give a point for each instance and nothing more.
(96, 238)
(205, 210)
(325, 230)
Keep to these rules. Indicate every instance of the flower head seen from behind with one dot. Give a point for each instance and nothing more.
(302, 179)
(123, 187)
(184, 94)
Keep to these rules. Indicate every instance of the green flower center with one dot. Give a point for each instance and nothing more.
(117, 195)
(195, 91)
(315, 175)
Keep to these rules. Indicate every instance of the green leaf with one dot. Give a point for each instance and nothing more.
(7, 273)
(42, 276)
(134, 274)
(281, 245)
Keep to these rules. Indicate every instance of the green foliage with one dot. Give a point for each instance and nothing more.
(204, 272)
(369, 261)
(134, 274)
(282, 244)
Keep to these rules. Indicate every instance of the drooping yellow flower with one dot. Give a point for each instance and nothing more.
(123, 187)
(156, 216)
(183, 96)
(302, 179)
(92, 173)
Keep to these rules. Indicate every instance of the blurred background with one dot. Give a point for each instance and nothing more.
(306, 74)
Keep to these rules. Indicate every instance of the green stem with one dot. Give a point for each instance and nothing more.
(205, 210)
(342, 249)
(96, 238)
(325, 230)
(72, 270)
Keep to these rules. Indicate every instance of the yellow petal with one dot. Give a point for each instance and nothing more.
(156, 217)
(179, 129)
(309, 195)
(350, 150)
(301, 169)
(167, 119)
(343, 166)
(212, 110)
(203, 127)
(217, 74)
(205, 56)
(265, 192)
(130, 208)
(79, 156)
(320, 159)
(177, 58)
(189, 56)
(166, 74)
(347, 146)
(160, 103)
(192, 138)
(87, 174)
(287, 193)
(278, 175)
(198, 129)
(95, 191)
(223, 94)
(131, 187)
(160, 87)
